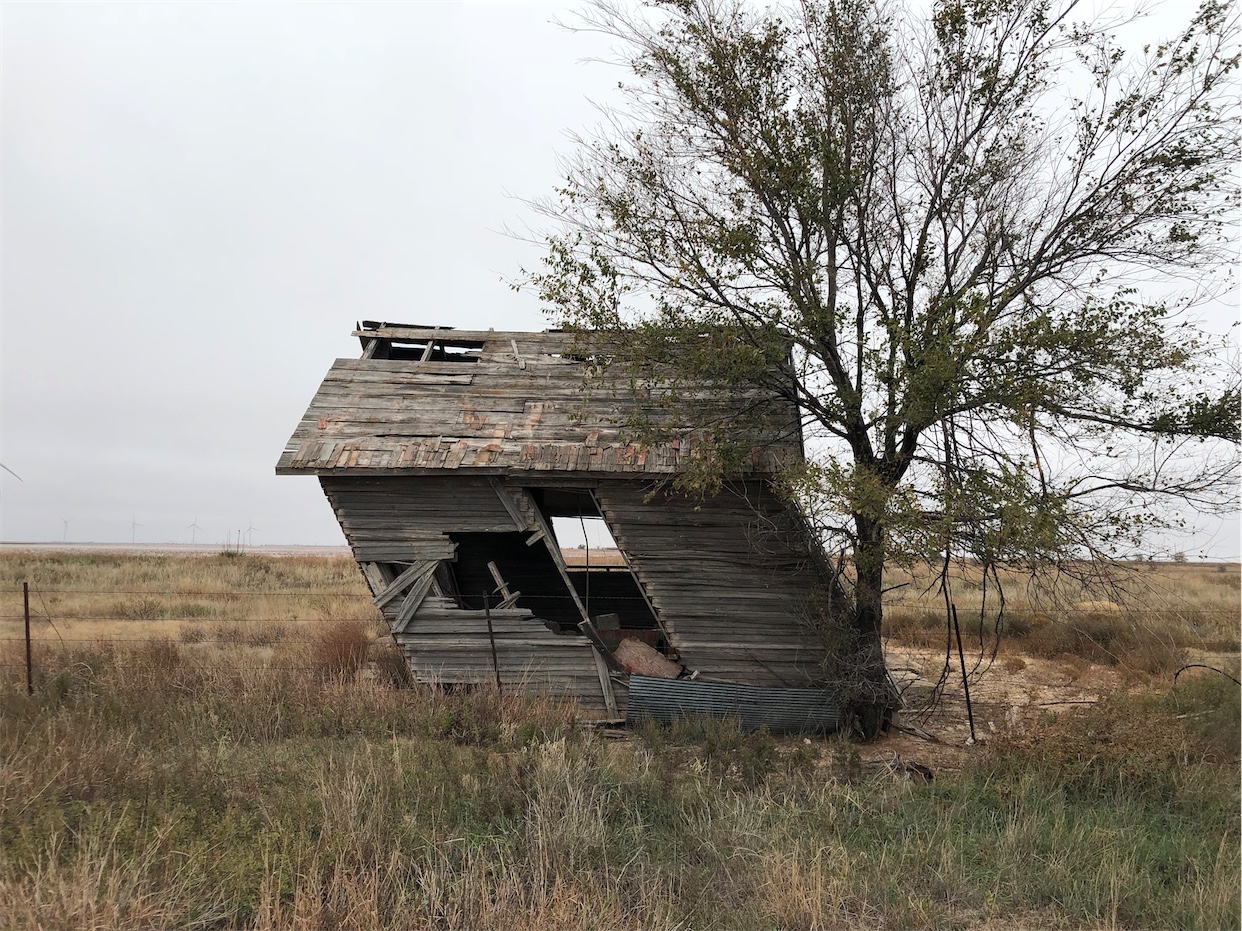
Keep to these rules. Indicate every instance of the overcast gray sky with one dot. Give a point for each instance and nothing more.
(199, 200)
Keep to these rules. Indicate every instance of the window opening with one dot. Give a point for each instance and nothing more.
(585, 532)
(526, 569)
(598, 569)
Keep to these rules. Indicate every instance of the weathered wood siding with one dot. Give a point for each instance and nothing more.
(733, 583)
(732, 579)
(406, 519)
(444, 644)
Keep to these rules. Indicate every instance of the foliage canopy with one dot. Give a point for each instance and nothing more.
(955, 239)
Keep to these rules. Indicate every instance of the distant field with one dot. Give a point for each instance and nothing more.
(182, 549)
(108, 595)
(1150, 617)
(1152, 586)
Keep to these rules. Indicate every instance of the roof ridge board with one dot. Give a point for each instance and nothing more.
(450, 334)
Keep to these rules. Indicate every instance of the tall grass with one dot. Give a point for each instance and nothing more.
(260, 781)
(144, 788)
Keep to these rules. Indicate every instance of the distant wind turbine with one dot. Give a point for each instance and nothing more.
(250, 529)
(133, 525)
(65, 538)
(194, 528)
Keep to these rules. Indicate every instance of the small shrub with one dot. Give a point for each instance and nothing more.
(799, 762)
(390, 666)
(156, 658)
(228, 633)
(1121, 746)
(339, 650)
(1210, 707)
(1021, 624)
(192, 633)
(719, 746)
(1150, 653)
(138, 609)
(1014, 663)
(921, 628)
(192, 609)
(248, 634)
(847, 763)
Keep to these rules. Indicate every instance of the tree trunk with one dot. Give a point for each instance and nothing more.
(869, 556)
(872, 692)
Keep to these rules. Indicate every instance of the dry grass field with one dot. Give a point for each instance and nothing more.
(88, 597)
(206, 748)
(1148, 618)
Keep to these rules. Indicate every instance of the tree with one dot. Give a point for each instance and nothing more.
(952, 239)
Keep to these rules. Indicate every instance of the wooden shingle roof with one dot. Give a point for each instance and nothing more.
(424, 400)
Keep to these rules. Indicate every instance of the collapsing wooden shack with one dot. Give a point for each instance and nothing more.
(451, 458)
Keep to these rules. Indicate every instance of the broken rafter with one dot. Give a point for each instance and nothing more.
(520, 520)
(508, 599)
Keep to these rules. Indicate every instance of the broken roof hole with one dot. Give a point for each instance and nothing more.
(435, 350)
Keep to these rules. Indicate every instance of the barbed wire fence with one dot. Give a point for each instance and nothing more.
(41, 617)
(58, 617)
(189, 618)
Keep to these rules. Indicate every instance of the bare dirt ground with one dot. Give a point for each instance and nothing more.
(1006, 692)
(1014, 688)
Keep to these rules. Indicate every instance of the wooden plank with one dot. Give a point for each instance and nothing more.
(374, 576)
(457, 649)
(520, 520)
(601, 664)
(638, 579)
(449, 335)
(415, 598)
(399, 585)
(510, 598)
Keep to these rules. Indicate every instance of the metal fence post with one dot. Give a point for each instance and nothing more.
(29, 664)
(491, 636)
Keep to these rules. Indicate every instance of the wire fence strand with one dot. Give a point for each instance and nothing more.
(253, 593)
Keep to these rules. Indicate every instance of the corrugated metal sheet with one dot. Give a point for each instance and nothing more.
(780, 710)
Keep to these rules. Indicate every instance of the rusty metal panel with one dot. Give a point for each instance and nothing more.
(780, 710)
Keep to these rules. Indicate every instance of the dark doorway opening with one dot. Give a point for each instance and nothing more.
(595, 567)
